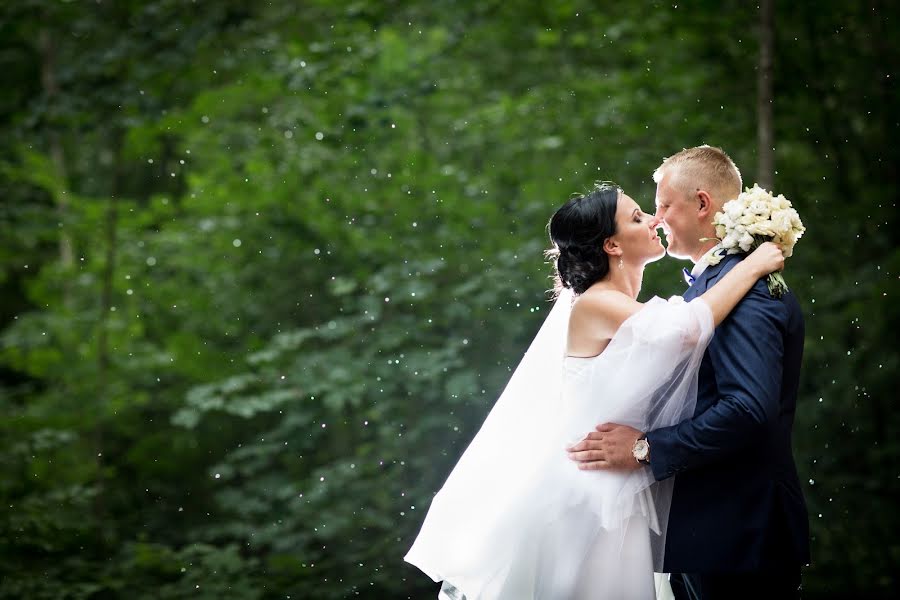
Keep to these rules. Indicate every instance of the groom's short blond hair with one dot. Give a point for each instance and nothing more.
(702, 168)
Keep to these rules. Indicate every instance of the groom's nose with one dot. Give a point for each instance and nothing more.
(655, 222)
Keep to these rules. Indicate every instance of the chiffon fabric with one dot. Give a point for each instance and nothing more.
(516, 519)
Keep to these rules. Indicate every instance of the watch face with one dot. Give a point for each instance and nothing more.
(641, 449)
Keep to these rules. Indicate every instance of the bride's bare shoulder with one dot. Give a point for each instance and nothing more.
(604, 308)
(600, 300)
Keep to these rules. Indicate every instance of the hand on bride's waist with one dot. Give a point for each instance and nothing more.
(607, 448)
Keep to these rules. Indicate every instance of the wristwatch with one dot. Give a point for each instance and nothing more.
(641, 450)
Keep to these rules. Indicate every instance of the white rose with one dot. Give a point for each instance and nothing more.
(759, 207)
(788, 240)
(763, 228)
(733, 210)
(781, 221)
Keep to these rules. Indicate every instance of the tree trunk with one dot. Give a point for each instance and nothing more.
(764, 96)
(102, 384)
(57, 156)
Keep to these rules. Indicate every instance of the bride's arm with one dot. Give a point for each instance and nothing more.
(730, 289)
(598, 314)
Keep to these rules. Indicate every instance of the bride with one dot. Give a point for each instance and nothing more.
(516, 525)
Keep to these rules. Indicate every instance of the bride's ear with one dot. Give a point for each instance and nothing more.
(612, 247)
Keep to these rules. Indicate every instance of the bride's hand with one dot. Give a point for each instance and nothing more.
(766, 259)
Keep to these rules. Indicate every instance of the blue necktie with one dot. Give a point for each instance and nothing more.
(688, 278)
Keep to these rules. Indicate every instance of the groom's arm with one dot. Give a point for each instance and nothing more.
(746, 355)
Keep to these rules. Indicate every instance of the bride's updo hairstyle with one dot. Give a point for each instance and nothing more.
(578, 229)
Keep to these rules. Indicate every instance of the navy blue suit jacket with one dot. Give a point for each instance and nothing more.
(737, 504)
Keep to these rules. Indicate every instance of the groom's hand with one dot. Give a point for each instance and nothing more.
(607, 448)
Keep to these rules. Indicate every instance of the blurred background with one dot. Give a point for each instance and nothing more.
(265, 266)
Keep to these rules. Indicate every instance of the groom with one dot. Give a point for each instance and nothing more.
(738, 526)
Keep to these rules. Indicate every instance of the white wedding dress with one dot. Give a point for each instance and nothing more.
(517, 520)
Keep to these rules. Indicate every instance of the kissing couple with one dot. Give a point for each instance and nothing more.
(636, 440)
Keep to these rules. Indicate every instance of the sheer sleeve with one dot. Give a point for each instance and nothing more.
(654, 358)
(648, 376)
(658, 353)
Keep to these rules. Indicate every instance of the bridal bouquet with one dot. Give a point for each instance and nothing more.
(752, 218)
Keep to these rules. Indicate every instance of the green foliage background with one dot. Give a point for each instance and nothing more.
(266, 266)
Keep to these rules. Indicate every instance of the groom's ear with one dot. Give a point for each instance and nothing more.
(704, 205)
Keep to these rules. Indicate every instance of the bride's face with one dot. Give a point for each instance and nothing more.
(636, 233)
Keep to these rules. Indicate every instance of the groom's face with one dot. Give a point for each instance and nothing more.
(677, 217)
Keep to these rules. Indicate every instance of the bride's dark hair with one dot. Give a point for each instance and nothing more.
(578, 229)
